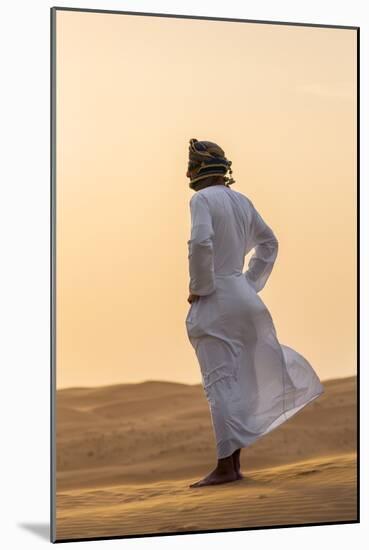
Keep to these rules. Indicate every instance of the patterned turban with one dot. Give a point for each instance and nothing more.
(208, 159)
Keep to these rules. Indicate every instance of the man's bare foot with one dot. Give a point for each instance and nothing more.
(236, 463)
(216, 478)
(223, 473)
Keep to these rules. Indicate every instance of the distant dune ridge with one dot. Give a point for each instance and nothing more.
(129, 450)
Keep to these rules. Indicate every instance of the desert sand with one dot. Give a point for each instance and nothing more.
(127, 453)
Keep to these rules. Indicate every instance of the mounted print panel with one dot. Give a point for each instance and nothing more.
(204, 209)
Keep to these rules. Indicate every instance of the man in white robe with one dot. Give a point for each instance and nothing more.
(251, 381)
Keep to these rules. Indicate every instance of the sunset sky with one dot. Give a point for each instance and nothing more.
(131, 91)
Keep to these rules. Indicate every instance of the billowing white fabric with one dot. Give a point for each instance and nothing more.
(251, 381)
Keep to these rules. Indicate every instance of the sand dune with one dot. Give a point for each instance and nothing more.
(130, 451)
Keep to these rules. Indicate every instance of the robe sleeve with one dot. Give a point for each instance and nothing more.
(265, 243)
(200, 248)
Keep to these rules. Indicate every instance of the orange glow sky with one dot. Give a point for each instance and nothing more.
(131, 92)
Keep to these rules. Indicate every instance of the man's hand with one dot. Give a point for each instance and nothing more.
(192, 298)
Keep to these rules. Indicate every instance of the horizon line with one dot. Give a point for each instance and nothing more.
(158, 381)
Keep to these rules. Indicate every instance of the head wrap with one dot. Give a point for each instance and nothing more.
(208, 159)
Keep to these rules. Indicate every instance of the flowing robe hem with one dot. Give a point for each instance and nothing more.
(230, 445)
